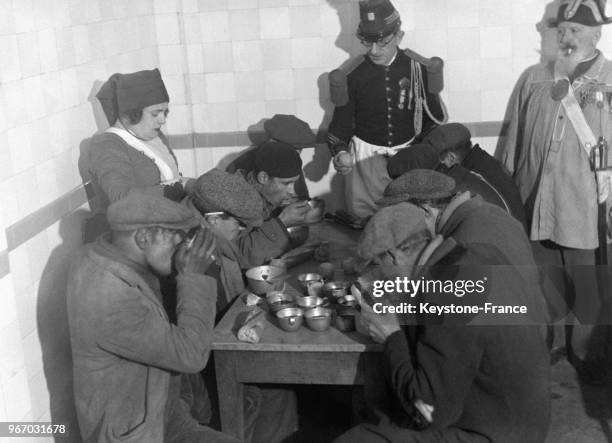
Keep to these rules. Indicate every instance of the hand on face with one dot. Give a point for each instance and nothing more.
(196, 255)
(379, 326)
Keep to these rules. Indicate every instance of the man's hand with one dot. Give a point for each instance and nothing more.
(196, 255)
(294, 213)
(343, 162)
(379, 326)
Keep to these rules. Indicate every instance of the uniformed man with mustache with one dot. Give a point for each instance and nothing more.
(560, 112)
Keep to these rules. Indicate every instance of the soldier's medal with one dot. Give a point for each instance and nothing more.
(404, 83)
(560, 89)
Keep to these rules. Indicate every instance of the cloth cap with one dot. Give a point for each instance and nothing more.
(401, 224)
(278, 159)
(291, 130)
(449, 136)
(419, 156)
(139, 209)
(378, 19)
(420, 184)
(589, 13)
(220, 191)
(127, 92)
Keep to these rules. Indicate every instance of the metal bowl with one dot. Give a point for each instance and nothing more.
(278, 300)
(282, 304)
(326, 270)
(298, 235)
(347, 300)
(335, 289)
(316, 212)
(318, 319)
(309, 301)
(290, 319)
(306, 280)
(263, 279)
(345, 319)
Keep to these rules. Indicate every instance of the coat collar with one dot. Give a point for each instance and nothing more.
(442, 225)
(109, 257)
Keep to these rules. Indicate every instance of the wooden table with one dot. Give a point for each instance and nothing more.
(302, 357)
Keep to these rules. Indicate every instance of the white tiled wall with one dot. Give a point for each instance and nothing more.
(227, 64)
(53, 53)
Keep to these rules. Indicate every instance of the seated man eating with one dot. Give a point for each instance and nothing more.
(277, 169)
(126, 354)
(448, 381)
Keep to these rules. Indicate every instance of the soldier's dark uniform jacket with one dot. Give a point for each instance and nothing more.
(382, 104)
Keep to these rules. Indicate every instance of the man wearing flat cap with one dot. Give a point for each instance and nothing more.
(448, 381)
(277, 169)
(382, 104)
(559, 119)
(469, 219)
(124, 348)
(286, 129)
(229, 205)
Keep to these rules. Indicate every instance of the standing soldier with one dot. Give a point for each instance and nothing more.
(381, 105)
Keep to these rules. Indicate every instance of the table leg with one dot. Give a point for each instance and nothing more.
(231, 395)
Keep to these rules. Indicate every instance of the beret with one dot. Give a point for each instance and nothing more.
(413, 157)
(400, 224)
(220, 191)
(127, 92)
(291, 130)
(449, 136)
(278, 159)
(139, 209)
(420, 184)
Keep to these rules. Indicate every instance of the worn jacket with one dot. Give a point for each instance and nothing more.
(541, 150)
(116, 168)
(466, 180)
(492, 172)
(270, 240)
(123, 346)
(488, 383)
(471, 220)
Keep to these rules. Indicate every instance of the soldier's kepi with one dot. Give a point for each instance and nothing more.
(384, 100)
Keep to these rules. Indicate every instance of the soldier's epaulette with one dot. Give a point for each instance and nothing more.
(351, 64)
(432, 64)
(338, 87)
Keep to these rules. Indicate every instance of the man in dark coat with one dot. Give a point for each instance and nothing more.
(454, 145)
(424, 156)
(469, 219)
(450, 381)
